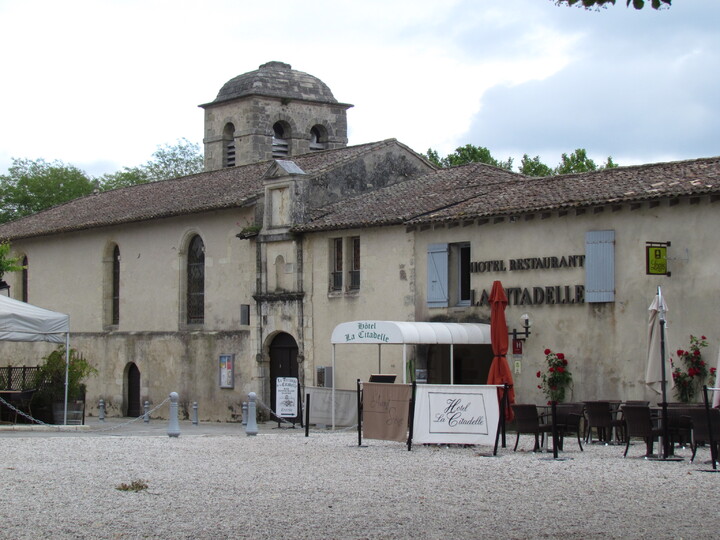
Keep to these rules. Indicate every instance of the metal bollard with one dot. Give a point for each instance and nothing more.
(173, 425)
(195, 413)
(146, 414)
(101, 410)
(251, 428)
(244, 413)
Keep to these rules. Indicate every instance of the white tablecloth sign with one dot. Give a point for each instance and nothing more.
(456, 414)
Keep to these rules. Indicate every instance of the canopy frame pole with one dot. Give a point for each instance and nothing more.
(67, 373)
(404, 363)
(332, 392)
(452, 364)
(379, 358)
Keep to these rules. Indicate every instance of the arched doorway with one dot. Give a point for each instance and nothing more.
(134, 407)
(283, 361)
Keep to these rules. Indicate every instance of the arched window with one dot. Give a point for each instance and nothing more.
(318, 138)
(280, 144)
(116, 286)
(196, 281)
(24, 277)
(229, 145)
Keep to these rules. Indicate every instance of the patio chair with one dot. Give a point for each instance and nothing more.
(601, 416)
(700, 431)
(639, 423)
(569, 418)
(528, 421)
(679, 426)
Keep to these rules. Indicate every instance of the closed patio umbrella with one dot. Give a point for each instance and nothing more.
(654, 372)
(499, 369)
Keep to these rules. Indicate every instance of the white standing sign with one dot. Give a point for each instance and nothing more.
(286, 397)
(456, 414)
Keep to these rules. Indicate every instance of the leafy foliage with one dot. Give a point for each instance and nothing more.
(7, 263)
(533, 167)
(31, 186)
(596, 4)
(50, 379)
(467, 154)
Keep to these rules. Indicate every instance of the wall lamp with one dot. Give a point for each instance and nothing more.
(523, 333)
(4, 288)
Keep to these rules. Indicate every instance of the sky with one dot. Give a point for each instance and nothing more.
(101, 84)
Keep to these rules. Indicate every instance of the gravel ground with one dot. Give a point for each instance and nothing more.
(282, 485)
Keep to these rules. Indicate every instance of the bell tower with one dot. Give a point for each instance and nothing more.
(272, 112)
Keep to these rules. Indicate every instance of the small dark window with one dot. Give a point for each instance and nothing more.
(337, 265)
(280, 145)
(229, 146)
(196, 281)
(318, 138)
(355, 264)
(116, 286)
(464, 274)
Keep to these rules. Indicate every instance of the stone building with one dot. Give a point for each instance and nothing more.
(290, 232)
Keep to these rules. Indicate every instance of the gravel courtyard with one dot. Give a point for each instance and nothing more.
(280, 484)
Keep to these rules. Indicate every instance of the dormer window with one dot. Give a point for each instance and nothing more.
(318, 138)
(280, 145)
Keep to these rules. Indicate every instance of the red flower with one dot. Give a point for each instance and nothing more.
(560, 369)
(547, 351)
(538, 374)
(702, 363)
(703, 337)
(564, 362)
(560, 356)
(696, 352)
(713, 370)
(551, 370)
(540, 387)
(680, 352)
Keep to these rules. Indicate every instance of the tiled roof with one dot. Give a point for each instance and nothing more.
(216, 190)
(478, 190)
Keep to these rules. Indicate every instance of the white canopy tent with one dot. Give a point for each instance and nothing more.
(406, 333)
(24, 322)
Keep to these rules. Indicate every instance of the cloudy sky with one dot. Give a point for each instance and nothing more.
(101, 84)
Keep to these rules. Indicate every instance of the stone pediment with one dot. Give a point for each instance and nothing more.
(281, 168)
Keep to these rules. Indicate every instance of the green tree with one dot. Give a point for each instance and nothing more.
(468, 154)
(31, 186)
(168, 161)
(533, 167)
(579, 162)
(596, 4)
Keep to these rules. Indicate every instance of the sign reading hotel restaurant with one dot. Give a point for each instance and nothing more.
(286, 397)
(456, 414)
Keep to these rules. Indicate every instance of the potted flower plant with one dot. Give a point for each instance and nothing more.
(690, 375)
(556, 378)
(49, 399)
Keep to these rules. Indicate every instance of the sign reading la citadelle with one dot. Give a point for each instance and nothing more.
(456, 414)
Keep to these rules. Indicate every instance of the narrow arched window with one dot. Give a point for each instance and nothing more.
(280, 144)
(318, 138)
(25, 279)
(196, 281)
(229, 145)
(116, 286)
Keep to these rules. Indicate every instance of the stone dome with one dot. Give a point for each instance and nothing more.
(276, 79)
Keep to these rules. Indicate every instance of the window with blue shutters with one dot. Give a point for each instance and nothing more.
(599, 266)
(437, 271)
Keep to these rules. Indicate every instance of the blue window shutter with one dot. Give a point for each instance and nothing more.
(600, 266)
(437, 272)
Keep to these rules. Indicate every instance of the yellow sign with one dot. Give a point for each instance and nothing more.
(656, 258)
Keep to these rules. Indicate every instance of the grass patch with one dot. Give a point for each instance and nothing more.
(135, 485)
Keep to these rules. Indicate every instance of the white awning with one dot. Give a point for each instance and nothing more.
(400, 332)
